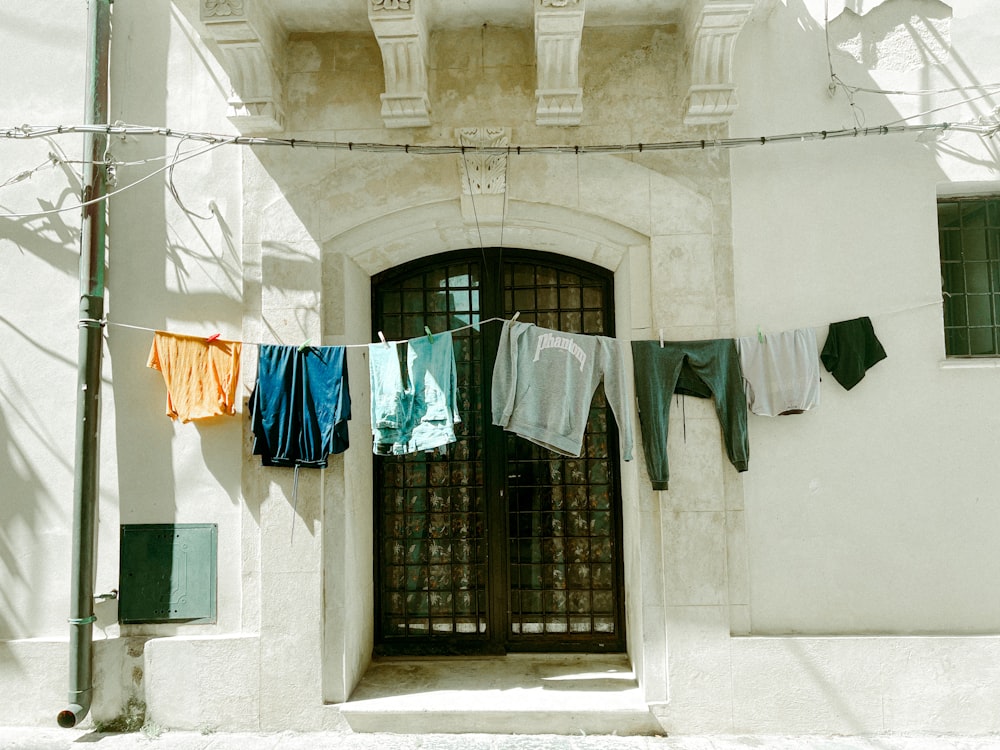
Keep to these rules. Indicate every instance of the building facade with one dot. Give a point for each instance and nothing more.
(795, 172)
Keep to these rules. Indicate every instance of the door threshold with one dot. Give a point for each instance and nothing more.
(512, 694)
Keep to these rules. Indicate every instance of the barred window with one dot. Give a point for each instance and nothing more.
(969, 236)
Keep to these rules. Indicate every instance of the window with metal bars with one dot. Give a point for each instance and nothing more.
(969, 238)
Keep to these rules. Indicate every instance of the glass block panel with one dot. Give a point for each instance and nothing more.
(977, 277)
(993, 212)
(948, 215)
(953, 278)
(981, 341)
(957, 341)
(980, 309)
(973, 213)
(974, 245)
(955, 313)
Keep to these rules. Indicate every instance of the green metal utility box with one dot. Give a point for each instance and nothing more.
(167, 573)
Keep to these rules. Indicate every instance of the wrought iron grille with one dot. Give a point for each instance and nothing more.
(495, 543)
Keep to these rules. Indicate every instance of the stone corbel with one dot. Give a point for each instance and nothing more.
(558, 30)
(712, 29)
(251, 41)
(401, 31)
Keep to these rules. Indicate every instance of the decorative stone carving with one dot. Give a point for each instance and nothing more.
(712, 29)
(221, 8)
(484, 178)
(558, 30)
(402, 37)
(251, 41)
(483, 173)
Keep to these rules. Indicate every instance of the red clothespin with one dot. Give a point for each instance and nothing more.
(212, 338)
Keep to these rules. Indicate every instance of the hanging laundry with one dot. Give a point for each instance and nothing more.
(202, 377)
(851, 349)
(416, 409)
(780, 371)
(300, 405)
(544, 382)
(707, 369)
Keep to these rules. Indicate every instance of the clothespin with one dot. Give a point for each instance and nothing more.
(430, 336)
(515, 316)
(661, 338)
(212, 338)
(382, 339)
(304, 344)
(760, 335)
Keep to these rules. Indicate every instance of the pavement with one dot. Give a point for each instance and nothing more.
(41, 738)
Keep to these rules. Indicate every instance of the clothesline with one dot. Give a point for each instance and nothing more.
(483, 322)
(885, 314)
(307, 341)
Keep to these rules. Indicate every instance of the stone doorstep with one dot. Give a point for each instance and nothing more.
(513, 694)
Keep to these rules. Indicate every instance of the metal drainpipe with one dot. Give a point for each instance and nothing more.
(85, 485)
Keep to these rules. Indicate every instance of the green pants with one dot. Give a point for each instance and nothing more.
(707, 369)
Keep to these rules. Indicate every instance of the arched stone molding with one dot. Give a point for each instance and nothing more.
(594, 186)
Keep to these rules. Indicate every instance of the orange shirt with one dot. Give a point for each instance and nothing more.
(202, 376)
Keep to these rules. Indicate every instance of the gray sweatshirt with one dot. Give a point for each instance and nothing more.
(544, 382)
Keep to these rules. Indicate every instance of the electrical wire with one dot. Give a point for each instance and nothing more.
(18, 133)
(76, 207)
(990, 128)
(849, 89)
(27, 132)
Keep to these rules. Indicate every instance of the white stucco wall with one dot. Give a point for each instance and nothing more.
(166, 269)
(871, 514)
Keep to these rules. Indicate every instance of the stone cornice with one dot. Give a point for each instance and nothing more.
(712, 27)
(558, 31)
(401, 32)
(252, 44)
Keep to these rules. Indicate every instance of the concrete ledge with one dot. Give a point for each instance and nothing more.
(638, 722)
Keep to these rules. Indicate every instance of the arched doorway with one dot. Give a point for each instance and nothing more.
(497, 544)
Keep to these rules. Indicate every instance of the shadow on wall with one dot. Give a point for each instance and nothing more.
(20, 520)
(34, 581)
(185, 267)
(53, 238)
(897, 35)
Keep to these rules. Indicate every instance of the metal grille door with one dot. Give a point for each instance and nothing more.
(495, 543)
(562, 521)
